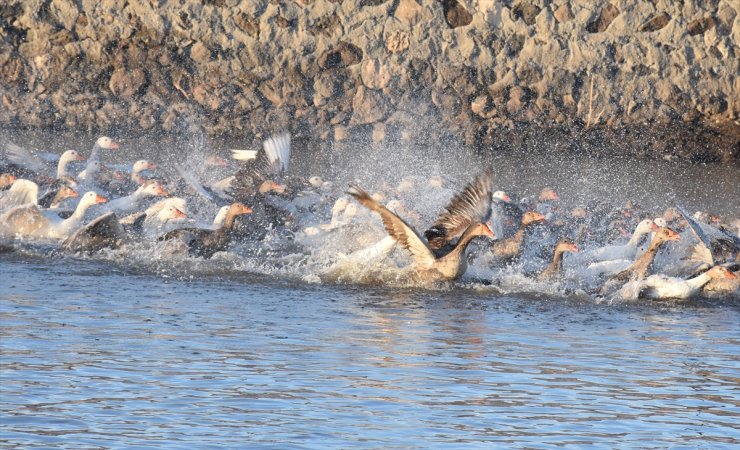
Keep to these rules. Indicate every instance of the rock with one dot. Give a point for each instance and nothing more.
(368, 106)
(343, 55)
(605, 18)
(200, 53)
(455, 14)
(700, 26)
(409, 11)
(563, 13)
(125, 84)
(656, 22)
(397, 41)
(378, 132)
(483, 106)
(525, 10)
(375, 75)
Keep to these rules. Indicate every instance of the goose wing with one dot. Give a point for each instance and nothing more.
(396, 227)
(471, 205)
(719, 244)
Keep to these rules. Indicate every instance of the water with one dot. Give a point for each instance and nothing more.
(100, 354)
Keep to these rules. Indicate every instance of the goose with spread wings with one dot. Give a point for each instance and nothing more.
(465, 217)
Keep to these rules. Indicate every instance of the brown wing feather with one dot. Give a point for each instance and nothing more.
(396, 227)
(471, 205)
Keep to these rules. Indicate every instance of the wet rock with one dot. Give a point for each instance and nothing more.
(563, 13)
(368, 106)
(375, 75)
(455, 14)
(343, 55)
(200, 53)
(397, 41)
(700, 26)
(604, 19)
(656, 22)
(409, 11)
(526, 10)
(125, 84)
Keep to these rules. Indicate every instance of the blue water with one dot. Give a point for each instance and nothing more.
(99, 355)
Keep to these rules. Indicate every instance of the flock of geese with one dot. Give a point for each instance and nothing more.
(82, 205)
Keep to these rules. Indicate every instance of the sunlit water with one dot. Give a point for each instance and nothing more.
(101, 355)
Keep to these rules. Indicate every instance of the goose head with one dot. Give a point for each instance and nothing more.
(69, 156)
(152, 189)
(66, 192)
(659, 222)
(646, 226)
(566, 245)
(719, 272)
(142, 165)
(501, 196)
(171, 213)
(238, 209)
(483, 229)
(531, 217)
(92, 198)
(107, 143)
(7, 180)
(271, 186)
(665, 234)
(548, 194)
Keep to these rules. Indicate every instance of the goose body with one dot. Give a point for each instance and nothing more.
(662, 287)
(427, 266)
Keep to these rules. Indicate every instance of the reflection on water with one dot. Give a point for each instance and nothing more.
(94, 357)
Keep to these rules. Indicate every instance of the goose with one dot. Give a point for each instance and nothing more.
(53, 200)
(257, 175)
(427, 266)
(140, 166)
(103, 142)
(131, 202)
(638, 269)
(507, 250)
(616, 252)
(660, 286)
(64, 160)
(7, 180)
(499, 213)
(157, 221)
(31, 221)
(555, 268)
(21, 192)
(203, 242)
(103, 232)
(469, 206)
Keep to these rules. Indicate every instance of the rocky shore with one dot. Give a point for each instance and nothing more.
(656, 78)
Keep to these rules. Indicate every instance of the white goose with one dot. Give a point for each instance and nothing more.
(140, 166)
(663, 287)
(131, 202)
(626, 251)
(22, 192)
(64, 160)
(31, 221)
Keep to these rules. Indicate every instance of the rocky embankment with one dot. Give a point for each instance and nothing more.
(656, 76)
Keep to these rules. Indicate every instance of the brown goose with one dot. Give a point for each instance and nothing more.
(509, 249)
(427, 265)
(205, 242)
(471, 205)
(639, 269)
(555, 269)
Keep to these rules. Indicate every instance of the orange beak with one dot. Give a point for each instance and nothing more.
(488, 231)
(180, 215)
(574, 248)
(80, 157)
(539, 217)
(151, 166)
(161, 191)
(113, 145)
(730, 275)
(675, 237)
(100, 199)
(654, 226)
(246, 210)
(506, 198)
(72, 193)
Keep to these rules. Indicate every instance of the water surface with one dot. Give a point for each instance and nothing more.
(98, 354)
